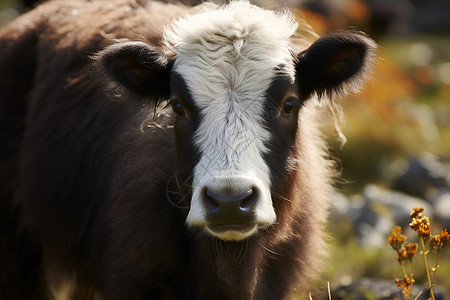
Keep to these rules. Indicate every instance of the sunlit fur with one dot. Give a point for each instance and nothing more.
(228, 58)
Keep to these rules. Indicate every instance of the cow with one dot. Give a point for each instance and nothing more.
(153, 150)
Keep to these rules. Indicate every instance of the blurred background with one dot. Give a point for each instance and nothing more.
(397, 154)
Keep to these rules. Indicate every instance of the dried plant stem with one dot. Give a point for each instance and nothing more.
(329, 290)
(418, 295)
(411, 277)
(424, 252)
(406, 277)
(404, 270)
(435, 267)
(411, 264)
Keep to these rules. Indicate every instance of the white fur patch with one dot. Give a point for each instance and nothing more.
(227, 58)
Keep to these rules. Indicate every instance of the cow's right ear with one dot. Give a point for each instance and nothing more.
(136, 66)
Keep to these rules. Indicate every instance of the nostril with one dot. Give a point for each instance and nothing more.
(248, 202)
(211, 202)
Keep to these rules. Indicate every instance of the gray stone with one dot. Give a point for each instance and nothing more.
(378, 211)
(441, 205)
(422, 175)
(399, 204)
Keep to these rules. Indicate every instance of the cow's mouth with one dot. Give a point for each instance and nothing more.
(232, 232)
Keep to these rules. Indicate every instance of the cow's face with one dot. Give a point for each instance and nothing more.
(221, 90)
(236, 90)
(235, 145)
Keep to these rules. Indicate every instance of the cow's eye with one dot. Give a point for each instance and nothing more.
(177, 107)
(289, 105)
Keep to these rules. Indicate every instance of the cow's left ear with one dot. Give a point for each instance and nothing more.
(335, 63)
(135, 67)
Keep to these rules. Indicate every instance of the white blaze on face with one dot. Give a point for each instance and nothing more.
(227, 58)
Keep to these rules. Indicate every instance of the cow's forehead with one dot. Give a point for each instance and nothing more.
(231, 52)
(234, 23)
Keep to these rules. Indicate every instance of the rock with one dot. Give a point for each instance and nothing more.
(339, 211)
(340, 204)
(379, 289)
(374, 214)
(355, 209)
(431, 16)
(391, 16)
(423, 175)
(374, 236)
(378, 211)
(441, 205)
(399, 204)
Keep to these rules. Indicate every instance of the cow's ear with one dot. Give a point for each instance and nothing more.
(335, 63)
(136, 67)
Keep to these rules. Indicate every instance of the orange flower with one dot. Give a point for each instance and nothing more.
(405, 284)
(437, 242)
(420, 223)
(397, 238)
(411, 248)
(402, 254)
(417, 212)
(445, 237)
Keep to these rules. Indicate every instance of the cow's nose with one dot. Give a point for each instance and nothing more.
(230, 208)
